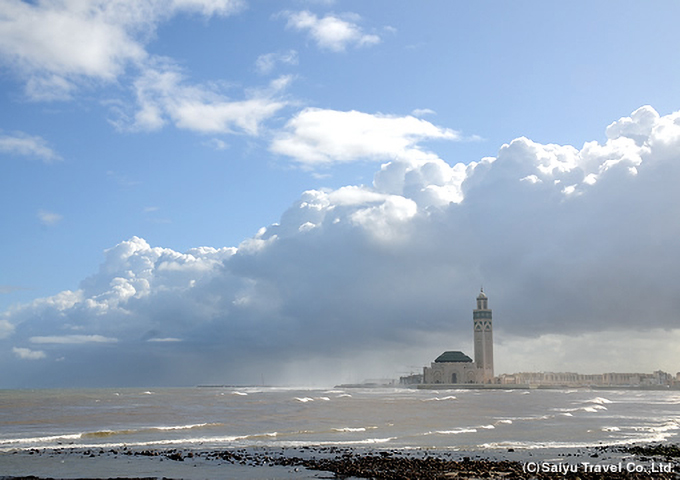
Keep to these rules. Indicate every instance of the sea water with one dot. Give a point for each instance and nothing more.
(381, 418)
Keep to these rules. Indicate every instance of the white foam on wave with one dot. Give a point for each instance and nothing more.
(662, 428)
(352, 429)
(454, 432)
(256, 438)
(367, 441)
(598, 400)
(532, 419)
(589, 409)
(439, 399)
(73, 438)
(47, 439)
(242, 394)
(310, 399)
(188, 427)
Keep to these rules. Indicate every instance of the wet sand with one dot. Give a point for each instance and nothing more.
(603, 462)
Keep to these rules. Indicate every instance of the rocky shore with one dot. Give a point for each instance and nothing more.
(634, 462)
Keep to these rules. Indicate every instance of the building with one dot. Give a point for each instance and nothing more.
(456, 367)
(571, 379)
(483, 328)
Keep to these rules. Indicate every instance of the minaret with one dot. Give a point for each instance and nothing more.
(483, 332)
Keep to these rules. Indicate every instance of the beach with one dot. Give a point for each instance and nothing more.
(633, 462)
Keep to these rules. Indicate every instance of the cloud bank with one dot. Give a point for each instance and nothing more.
(367, 279)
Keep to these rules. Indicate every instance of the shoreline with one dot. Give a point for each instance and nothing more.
(657, 461)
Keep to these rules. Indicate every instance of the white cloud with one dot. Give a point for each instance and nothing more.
(27, 145)
(28, 354)
(364, 270)
(216, 144)
(71, 339)
(48, 218)
(206, 7)
(163, 95)
(58, 46)
(266, 63)
(316, 137)
(332, 32)
(6, 328)
(421, 112)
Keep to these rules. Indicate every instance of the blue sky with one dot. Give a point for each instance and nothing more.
(139, 126)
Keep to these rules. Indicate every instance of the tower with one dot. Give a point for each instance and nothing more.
(483, 334)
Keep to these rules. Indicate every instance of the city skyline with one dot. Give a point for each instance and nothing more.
(224, 191)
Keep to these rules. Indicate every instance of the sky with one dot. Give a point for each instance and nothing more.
(314, 192)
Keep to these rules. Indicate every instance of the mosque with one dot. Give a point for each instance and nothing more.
(456, 367)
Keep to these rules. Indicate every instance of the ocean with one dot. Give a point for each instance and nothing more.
(214, 418)
(223, 432)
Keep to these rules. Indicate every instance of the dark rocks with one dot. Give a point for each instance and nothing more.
(414, 465)
(661, 450)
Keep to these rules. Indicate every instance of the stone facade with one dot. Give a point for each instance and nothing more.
(483, 328)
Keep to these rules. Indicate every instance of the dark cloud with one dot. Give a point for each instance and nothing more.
(569, 243)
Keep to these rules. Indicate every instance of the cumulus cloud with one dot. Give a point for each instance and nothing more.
(568, 242)
(28, 354)
(27, 145)
(163, 95)
(331, 32)
(58, 46)
(321, 137)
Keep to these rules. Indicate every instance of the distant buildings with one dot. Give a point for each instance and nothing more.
(454, 367)
(566, 379)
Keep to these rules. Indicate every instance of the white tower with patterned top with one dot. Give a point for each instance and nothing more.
(483, 333)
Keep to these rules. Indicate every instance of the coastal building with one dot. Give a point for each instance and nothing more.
(453, 367)
(570, 379)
